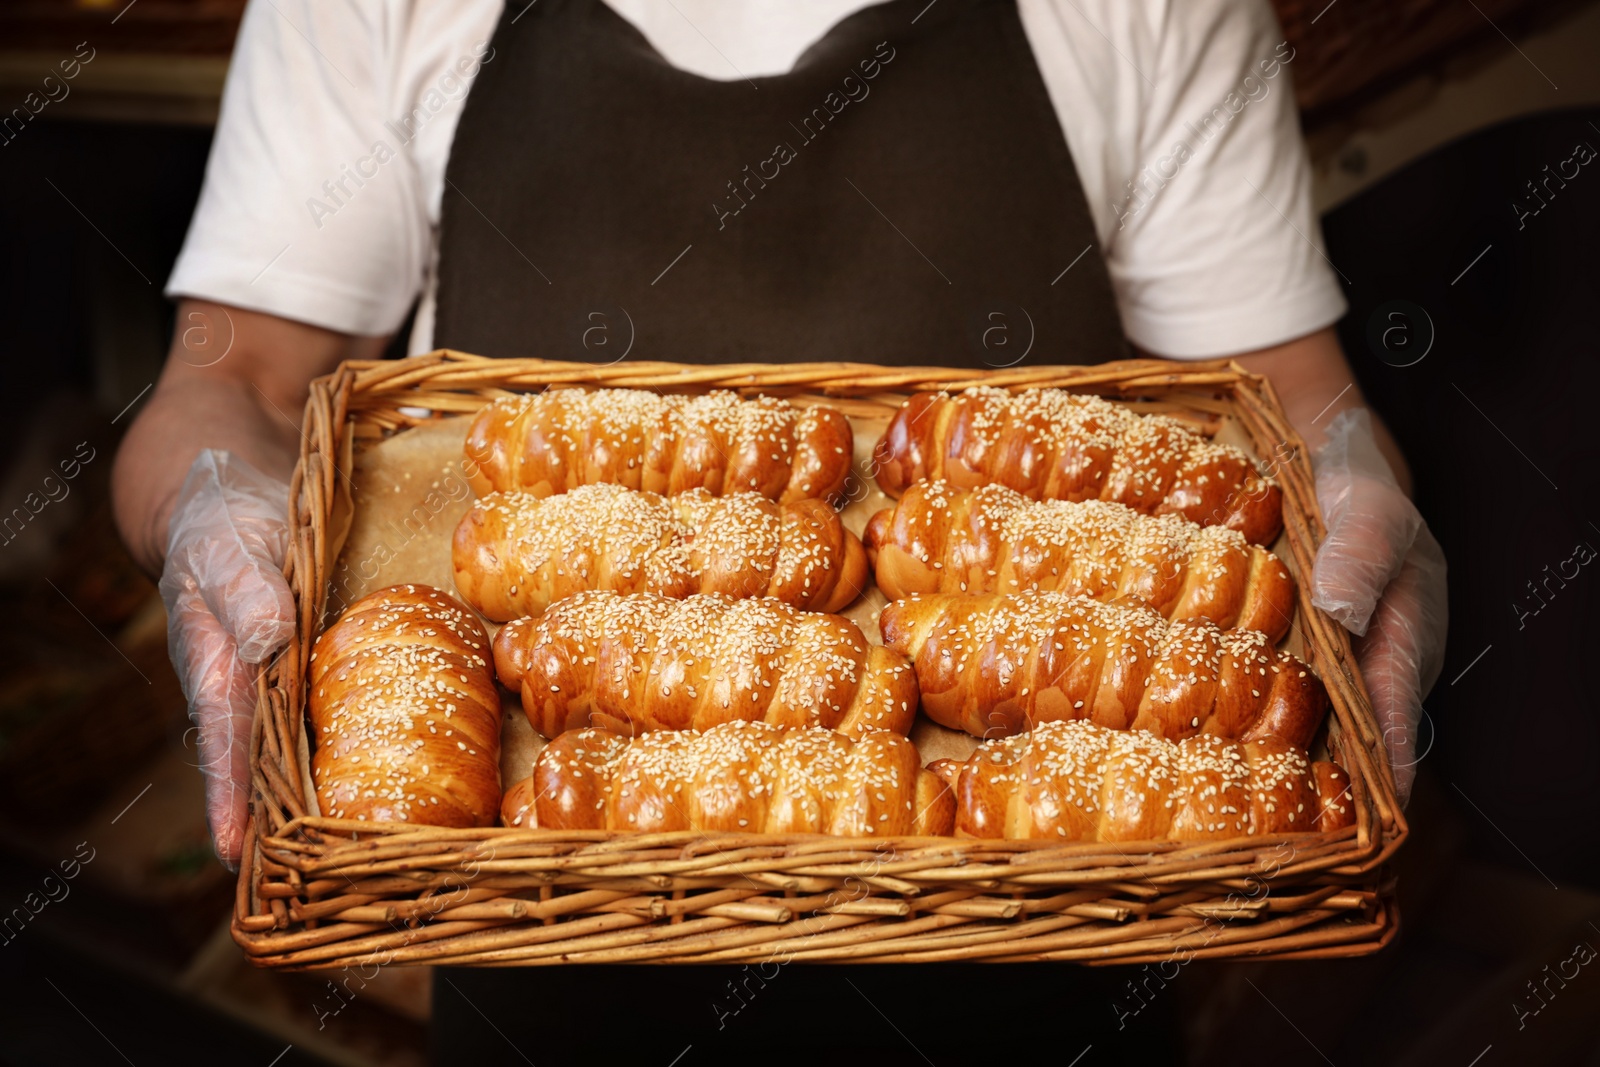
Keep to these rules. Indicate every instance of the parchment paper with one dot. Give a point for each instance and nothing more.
(410, 493)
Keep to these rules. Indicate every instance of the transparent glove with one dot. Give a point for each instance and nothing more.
(228, 610)
(1381, 574)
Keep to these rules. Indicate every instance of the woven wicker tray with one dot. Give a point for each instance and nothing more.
(320, 892)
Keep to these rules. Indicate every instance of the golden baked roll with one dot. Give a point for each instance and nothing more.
(635, 662)
(1075, 781)
(515, 554)
(405, 716)
(938, 539)
(1049, 444)
(551, 442)
(998, 665)
(738, 777)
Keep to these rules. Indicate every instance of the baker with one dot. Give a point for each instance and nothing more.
(976, 183)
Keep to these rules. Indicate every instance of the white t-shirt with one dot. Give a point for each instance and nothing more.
(322, 194)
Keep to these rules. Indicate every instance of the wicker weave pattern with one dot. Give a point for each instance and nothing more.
(321, 892)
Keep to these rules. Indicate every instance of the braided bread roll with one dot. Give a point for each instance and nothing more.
(516, 554)
(739, 777)
(1049, 444)
(937, 539)
(1075, 781)
(550, 442)
(631, 663)
(404, 713)
(999, 665)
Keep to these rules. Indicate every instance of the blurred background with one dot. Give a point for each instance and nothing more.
(130, 957)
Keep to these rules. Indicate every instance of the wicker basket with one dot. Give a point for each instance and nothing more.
(320, 892)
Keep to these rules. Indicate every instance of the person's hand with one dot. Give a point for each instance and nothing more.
(228, 610)
(1381, 574)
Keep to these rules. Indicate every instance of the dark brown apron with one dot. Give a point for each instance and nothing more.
(904, 195)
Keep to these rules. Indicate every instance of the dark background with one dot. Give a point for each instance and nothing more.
(1500, 879)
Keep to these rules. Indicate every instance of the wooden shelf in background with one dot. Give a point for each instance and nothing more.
(164, 60)
(163, 27)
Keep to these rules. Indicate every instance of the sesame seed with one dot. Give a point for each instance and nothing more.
(741, 544)
(1167, 673)
(403, 656)
(705, 657)
(1085, 781)
(1083, 447)
(728, 776)
(639, 438)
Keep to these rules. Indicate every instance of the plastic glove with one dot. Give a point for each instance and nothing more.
(228, 610)
(1378, 547)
